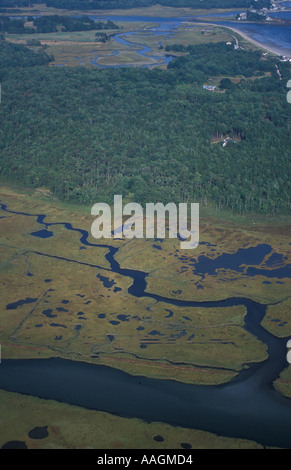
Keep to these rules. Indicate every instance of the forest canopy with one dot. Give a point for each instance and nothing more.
(150, 135)
(16, 55)
(53, 23)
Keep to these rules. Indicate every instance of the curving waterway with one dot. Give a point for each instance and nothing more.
(166, 28)
(246, 407)
(275, 36)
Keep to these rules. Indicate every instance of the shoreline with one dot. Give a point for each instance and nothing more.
(247, 37)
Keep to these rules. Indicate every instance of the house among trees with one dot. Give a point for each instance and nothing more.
(209, 87)
(228, 140)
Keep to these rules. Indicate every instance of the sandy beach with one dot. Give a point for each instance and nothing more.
(247, 37)
(268, 48)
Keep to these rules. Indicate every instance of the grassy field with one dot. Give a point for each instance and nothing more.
(277, 319)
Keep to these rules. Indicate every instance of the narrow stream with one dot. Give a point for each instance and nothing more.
(166, 28)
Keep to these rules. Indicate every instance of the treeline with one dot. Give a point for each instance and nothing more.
(243, 62)
(53, 23)
(124, 4)
(253, 16)
(106, 25)
(151, 135)
(13, 26)
(259, 4)
(16, 55)
(101, 37)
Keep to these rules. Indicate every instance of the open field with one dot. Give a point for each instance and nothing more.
(277, 316)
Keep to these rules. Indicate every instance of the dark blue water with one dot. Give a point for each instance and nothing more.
(236, 261)
(284, 15)
(48, 313)
(106, 281)
(38, 433)
(42, 234)
(14, 445)
(247, 407)
(19, 303)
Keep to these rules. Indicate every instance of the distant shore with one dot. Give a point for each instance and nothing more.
(261, 45)
(273, 49)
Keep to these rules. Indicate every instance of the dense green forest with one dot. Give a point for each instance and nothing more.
(253, 16)
(111, 4)
(241, 62)
(13, 26)
(15, 55)
(151, 135)
(53, 23)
